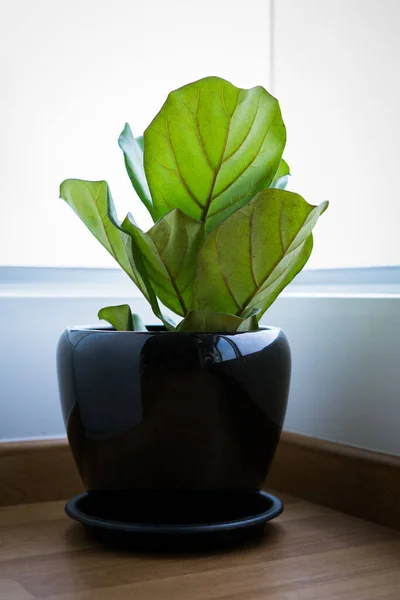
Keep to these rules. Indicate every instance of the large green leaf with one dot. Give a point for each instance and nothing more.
(281, 178)
(249, 258)
(92, 202)
(211, 148)
(169, 251)
(133, 155)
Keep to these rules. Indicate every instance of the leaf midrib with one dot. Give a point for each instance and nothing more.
(217, 168)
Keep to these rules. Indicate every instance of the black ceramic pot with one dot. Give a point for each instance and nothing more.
(173, 411)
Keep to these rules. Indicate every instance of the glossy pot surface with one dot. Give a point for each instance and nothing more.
(167, 411)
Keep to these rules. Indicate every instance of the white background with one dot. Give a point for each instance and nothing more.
(73, 72)
(336, 74)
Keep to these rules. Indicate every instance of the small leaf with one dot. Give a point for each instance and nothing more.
(92, 202)
(281, 178)
(250, 312)
(138, 324)
(250, 258)
(169, 250)
(211, 148)
(133, 155)
(209, 322)
(140, 141)
(249, 324)
(119, 316)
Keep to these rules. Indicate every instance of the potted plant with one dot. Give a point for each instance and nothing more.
(173, 427)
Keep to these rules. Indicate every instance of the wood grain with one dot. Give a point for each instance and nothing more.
(37, 471)
(309, 553)
(355, 481)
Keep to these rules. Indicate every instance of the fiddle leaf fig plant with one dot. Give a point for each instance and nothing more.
(227, 237)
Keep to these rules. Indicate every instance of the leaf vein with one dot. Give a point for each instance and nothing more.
(192, 196)
(226, 281)
(251, 232)
(251, 162)
(246, 136)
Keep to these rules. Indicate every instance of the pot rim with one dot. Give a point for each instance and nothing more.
(160, 329)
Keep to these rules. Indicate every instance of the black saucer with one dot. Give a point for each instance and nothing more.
(169, 519)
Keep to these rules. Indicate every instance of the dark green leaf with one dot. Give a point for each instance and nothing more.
(169, 250)
(211, 148)
(251, 257)
(133, 155)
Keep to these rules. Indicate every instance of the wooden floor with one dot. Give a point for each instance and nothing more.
(309, 553)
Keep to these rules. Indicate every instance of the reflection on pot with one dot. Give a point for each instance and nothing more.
(165, 410)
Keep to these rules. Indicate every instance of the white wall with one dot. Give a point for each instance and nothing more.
(72, 72)
(336, 74)
(346, 377)
(345, 350)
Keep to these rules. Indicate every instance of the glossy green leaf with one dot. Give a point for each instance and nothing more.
(281, 178)
(251, 257)
(92, 202)
(211, 148)
(133, 155)
(169, 250)
(209, 322)
(119, 316)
